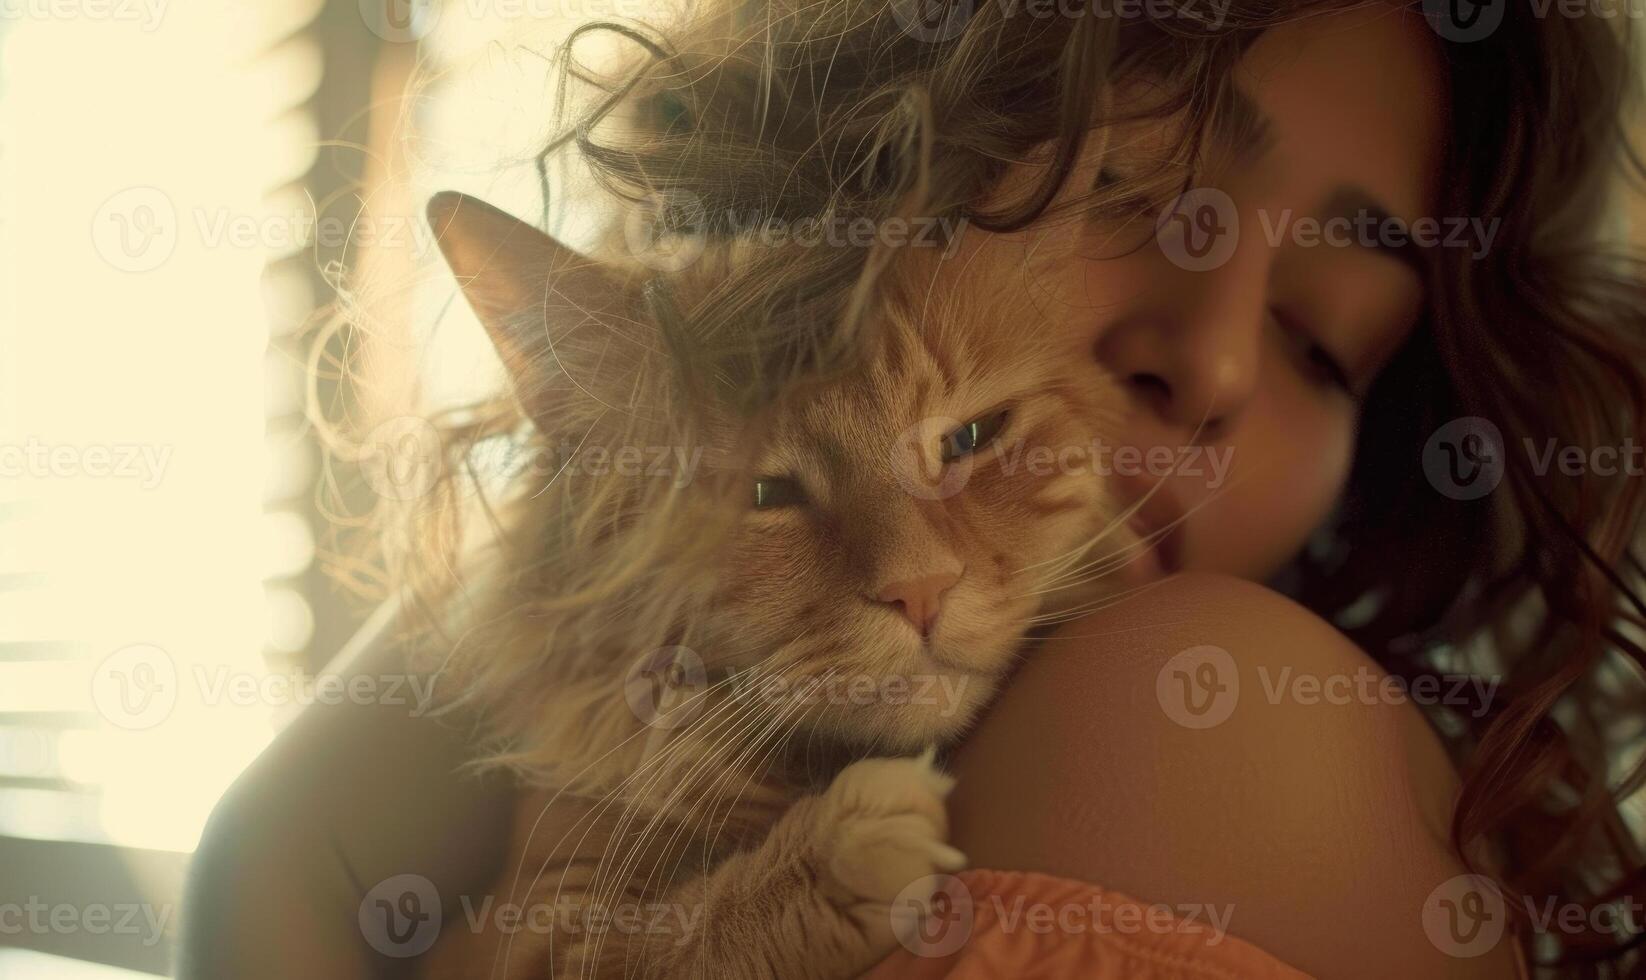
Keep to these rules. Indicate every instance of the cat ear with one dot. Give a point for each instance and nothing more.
(529, 291)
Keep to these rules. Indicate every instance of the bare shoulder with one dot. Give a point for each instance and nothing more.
(1210, 743)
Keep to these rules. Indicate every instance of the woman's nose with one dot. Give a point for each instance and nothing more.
(1191, 346)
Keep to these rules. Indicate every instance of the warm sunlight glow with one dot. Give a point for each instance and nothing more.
(136, 232)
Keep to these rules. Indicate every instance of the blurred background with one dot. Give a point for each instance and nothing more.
(185, 187)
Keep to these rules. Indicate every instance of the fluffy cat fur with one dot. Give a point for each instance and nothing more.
(772, 832)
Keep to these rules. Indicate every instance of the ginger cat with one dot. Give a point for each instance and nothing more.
(855, 565)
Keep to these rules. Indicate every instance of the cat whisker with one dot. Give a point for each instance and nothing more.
(658, 762)
(779, 717)
(732, 733)
(1060, 562)
(605, 883)
(720, 745)
(785, 711)
(1085, 608)
(768, 717)
(697, 734)
(1118, 522)
(1101, 566)
(1105, 565)
(1097, 568)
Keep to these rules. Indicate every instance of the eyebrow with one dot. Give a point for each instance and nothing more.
(1244, 127)
(1239, 124)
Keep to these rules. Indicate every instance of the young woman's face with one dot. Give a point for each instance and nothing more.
(1246, 354)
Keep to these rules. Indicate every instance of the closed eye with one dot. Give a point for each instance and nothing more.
(1120, 204)
(1318, 361)
(972, 436)
(1330, 368)
(772, 492)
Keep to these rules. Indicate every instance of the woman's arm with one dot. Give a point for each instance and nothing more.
(347, 797)
(1309, 805)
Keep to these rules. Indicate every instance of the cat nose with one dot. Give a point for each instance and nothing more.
(919, 599)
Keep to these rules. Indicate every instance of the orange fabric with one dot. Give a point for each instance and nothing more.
(1038, 927)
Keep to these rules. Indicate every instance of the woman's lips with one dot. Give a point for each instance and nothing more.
(1156, 524)
(1156, 551)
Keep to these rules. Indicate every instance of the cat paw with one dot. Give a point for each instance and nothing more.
(886, 828)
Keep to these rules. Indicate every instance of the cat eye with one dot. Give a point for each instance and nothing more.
(771, 492)
(972, 436)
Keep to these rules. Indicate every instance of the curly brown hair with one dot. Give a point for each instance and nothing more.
(838, 107)
(794, 109)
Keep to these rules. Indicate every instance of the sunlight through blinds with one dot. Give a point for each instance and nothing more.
(150, 173)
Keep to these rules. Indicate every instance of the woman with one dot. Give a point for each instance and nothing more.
(1329, 819)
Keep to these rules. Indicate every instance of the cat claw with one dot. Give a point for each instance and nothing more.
(947, 858)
